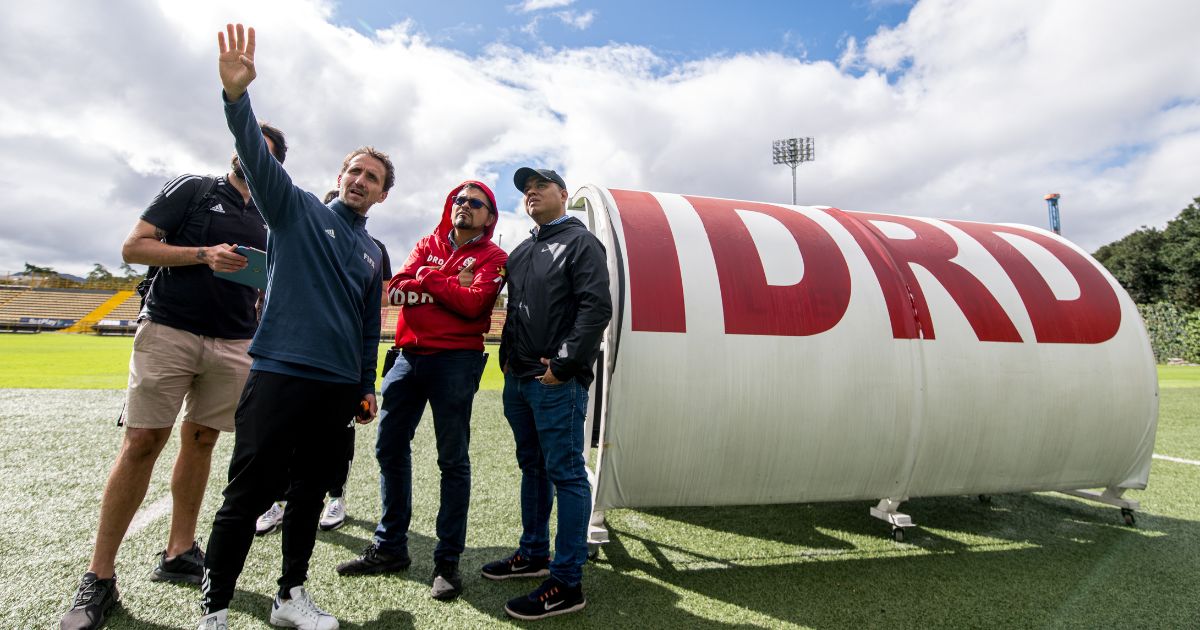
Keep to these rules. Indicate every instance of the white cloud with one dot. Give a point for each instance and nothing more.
(576, 20)
(966, 110)
(530, 28)
(529, 6)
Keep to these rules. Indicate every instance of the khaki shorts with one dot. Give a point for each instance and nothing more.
(171, 367)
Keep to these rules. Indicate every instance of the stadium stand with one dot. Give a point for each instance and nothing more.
(25, 309)
(121, 320)
(387, 325)
(493, 333)
(108, 312)
(90, 321)
(128, 309)
(388, 316)
(36, 309)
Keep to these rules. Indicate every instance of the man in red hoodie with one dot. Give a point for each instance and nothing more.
(445, 290)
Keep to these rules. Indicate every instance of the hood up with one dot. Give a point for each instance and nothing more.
(447, 224)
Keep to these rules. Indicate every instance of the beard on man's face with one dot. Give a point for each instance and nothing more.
(236, 167)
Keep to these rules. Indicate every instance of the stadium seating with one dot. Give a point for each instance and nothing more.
(389, 315)
(498, 317)
(25, 309)
(128, 310)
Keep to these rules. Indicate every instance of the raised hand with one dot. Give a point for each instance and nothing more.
(236, 62)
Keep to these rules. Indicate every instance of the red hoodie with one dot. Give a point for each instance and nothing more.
(436, 312)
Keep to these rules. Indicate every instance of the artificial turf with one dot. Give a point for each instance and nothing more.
(1035, 560)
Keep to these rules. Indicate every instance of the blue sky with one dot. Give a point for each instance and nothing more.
(673, 29)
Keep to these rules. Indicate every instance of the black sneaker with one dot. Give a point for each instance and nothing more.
(447, 582)
(373, 561)
(93, 601)
(516, 566)
(551, 598)
(186, 568)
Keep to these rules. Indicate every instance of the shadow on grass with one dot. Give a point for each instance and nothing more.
(1022, 561)
(386, 619)
(120, 617)
(254, 605)
(355, 535)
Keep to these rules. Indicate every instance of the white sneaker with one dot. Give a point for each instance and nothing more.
(335, 514)
(300, 612)
(215, 621)
(270, 520)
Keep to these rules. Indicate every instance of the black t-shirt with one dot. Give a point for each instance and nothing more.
(190, 297)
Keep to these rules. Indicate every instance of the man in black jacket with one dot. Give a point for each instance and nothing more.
(558, 307)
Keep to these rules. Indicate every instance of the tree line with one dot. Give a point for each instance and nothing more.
(99, 277)
(1160, 265)
(1161, 271)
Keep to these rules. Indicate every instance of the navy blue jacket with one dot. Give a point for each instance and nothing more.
(321, 316)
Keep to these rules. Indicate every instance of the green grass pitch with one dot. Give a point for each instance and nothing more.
(61, 361)
(1023, 561)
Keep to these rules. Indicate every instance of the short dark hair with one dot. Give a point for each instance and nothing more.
(276, 137)
(389, 178)
(277, 141)
(330, 196)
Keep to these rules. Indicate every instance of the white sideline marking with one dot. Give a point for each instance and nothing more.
(149, 514)
(1178, 460)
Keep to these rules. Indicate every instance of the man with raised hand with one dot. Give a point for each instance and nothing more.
(446, 291)
(314, 354)
(190, 352)
(558, 307)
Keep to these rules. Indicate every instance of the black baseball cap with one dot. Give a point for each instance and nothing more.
(524, 173)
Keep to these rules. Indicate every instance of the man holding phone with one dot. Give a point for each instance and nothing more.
(189, 352)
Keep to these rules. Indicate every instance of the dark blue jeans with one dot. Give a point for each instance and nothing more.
(547, 423)
(447, 381)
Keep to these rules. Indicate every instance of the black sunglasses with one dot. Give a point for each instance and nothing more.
(475, 204)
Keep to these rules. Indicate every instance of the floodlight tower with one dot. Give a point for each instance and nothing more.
(792, 152)
(1052, 205)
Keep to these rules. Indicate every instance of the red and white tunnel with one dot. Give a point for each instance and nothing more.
(763, 353)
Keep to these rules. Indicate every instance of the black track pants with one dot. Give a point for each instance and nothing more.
(286, 429)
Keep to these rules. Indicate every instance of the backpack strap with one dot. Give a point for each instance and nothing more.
(200, 202)
(202, 194)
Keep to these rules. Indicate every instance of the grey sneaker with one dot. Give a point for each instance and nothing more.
(270, 520)
(186, 568)
(214, 621)
(299, 611)
(94, 599)
(334, 515)
(446, 581)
